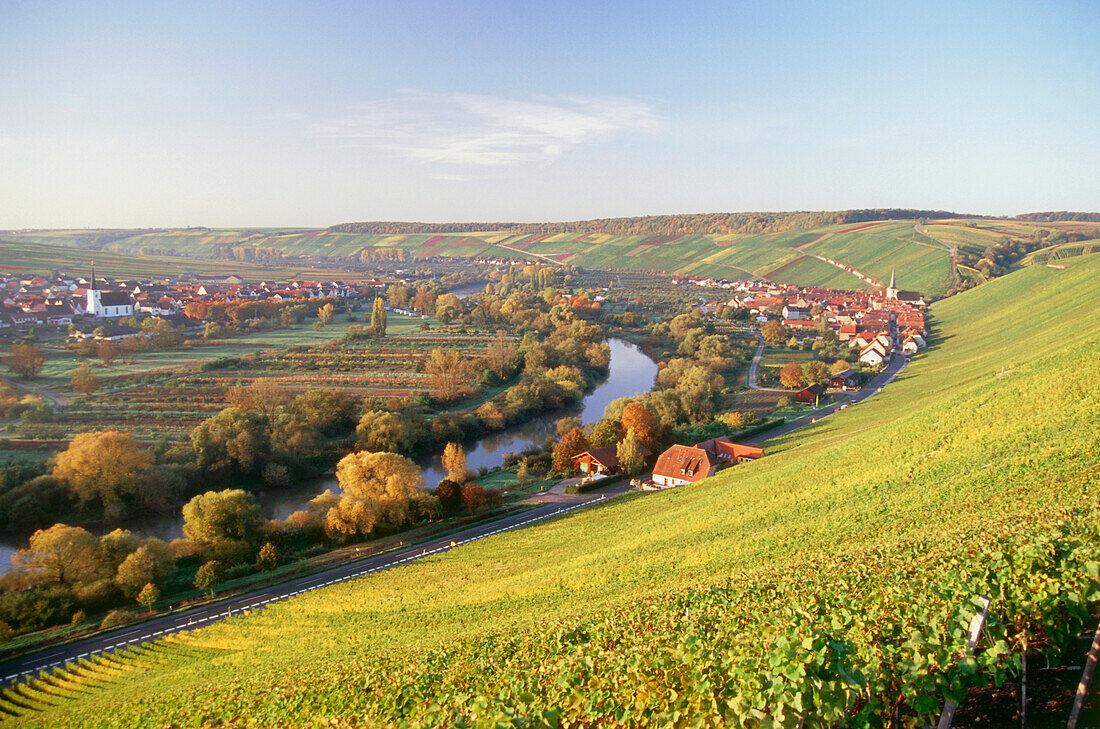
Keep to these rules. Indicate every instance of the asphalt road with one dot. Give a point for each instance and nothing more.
(201, 615)
(872, 388)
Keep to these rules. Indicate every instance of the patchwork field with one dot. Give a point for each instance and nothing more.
(678, 603)
(57, 253)
(921, 259)
(164, 394)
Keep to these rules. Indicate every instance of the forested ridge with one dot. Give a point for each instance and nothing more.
(687, 224)
(1060, 216)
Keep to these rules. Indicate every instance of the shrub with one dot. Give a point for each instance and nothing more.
(115, 617)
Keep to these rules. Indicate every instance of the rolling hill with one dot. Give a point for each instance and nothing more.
(921, 255)
(829, 578)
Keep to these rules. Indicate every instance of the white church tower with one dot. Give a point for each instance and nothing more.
(94, 304)
(891, 290)
(108, 305)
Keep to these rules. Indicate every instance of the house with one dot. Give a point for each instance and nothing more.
(725, 449)
(872, 355)
(682, 464)
(601, 461)
(810, 394)
(796, 312)
(912, 343)
(844, 380)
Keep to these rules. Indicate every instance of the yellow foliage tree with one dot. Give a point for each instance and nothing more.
(84, 380)
(454, 462)
(377, 489)
(103, 465)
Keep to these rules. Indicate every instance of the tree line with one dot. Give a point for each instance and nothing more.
(687, 224)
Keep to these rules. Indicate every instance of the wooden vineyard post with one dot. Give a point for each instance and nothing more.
(1086, 680)
(976, 625)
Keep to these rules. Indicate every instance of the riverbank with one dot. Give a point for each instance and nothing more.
(630, 372)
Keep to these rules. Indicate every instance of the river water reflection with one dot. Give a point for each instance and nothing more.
(630, 372)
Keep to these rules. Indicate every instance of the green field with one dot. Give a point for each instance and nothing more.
(56, 253)
(979, 438)
(922, 260)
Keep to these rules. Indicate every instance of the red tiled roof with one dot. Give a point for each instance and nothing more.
(684, 462)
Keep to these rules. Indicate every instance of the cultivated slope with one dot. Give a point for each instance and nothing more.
(922, 259)
(991, 432)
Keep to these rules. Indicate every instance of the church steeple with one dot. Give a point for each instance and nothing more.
(891, 290)
(93, 276)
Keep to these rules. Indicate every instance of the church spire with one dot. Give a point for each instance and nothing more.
(891, 279)
(93, 276)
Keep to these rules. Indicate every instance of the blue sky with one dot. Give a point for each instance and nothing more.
(309, 114)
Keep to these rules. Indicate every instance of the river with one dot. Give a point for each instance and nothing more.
(630, 372)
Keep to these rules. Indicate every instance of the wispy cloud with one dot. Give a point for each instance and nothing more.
(479, 130)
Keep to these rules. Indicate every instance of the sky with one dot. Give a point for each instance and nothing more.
(248, 114)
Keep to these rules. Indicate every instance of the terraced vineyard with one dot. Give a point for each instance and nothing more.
(831, 580)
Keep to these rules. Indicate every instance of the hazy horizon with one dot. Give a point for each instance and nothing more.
(284, 115)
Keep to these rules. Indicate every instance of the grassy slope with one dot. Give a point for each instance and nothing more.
(57, 253)
(875, 249)
(981, 432)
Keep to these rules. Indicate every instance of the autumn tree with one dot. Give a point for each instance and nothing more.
(449, 494)
(444, 374)
(572, 443)
(791, 375)
(385, 431)
(644, 422)
(60, 555)
(473, 497)
(148, 596)
(815, 372)
(774, 333)
(223, 524)
(454, 462)
(424, 301)
(233, 440)
(261, 395)
(106, 351)
(329, 410)
(447, 308)
(152, 563)
(630, 454)
(501, 354)
(26, 360)
(378, 318)
(839, 366)
(268, 558)
(325, 313)
(398, 296)
(376, 491)
(103, 465)
(83, 379)
(208, 575)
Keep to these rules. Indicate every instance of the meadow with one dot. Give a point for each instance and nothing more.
(826, 579)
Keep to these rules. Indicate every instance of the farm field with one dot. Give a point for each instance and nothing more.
(673, 591)
(58, 254)
(164, 394)
(922, 262)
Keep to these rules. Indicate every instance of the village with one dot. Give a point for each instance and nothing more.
(875, 326)
(96, 306)
(879, 326)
